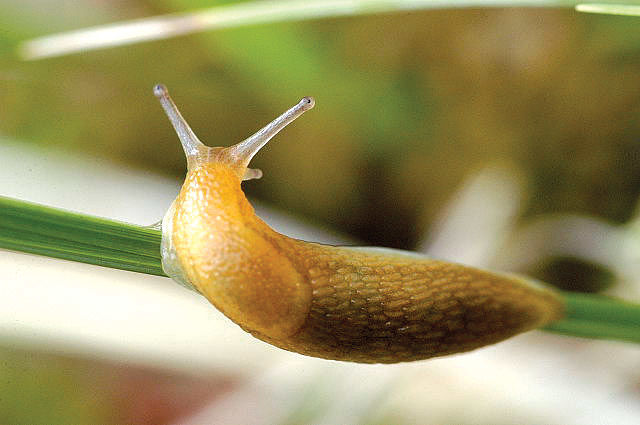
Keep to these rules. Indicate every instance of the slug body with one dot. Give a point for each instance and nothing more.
(369, 305)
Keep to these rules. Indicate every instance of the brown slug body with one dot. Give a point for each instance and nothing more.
(369, 305)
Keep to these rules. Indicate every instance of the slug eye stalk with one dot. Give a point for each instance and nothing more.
(238, 155)
(243, 152)
(191, 145)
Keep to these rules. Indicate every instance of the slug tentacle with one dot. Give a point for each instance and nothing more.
(243, 152)
(193, 147)
(368, 305)
(238, 155)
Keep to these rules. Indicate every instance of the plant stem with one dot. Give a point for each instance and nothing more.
(240, 14)
(56, 233)
(600, 317)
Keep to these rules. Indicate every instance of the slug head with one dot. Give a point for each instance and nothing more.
(238, 156)
(213, 242)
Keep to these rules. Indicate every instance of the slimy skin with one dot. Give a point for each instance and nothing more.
(367, 305)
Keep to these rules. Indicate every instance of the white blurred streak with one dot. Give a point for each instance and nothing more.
(354, 393)
(586, 238)
(78, 309)
(330, 392)
(234, 15)
(475, 223)
(268, 397)
(82, 183)
(531, 379)
(609, 9)
(561, 235)
(479, 227)
(631, 258)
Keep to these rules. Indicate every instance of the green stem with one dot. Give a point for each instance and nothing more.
(599, 317)
(61, 234)
(56, 233)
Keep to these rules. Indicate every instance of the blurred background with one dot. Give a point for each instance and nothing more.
(503, 138)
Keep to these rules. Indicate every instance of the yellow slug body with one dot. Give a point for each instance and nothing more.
(366, 305)
(233, 258)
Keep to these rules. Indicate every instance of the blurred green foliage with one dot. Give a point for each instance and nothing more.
(57, 389)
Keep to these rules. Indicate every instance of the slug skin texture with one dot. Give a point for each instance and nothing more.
(368, 305)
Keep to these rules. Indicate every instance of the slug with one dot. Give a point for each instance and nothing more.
(367, 305)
